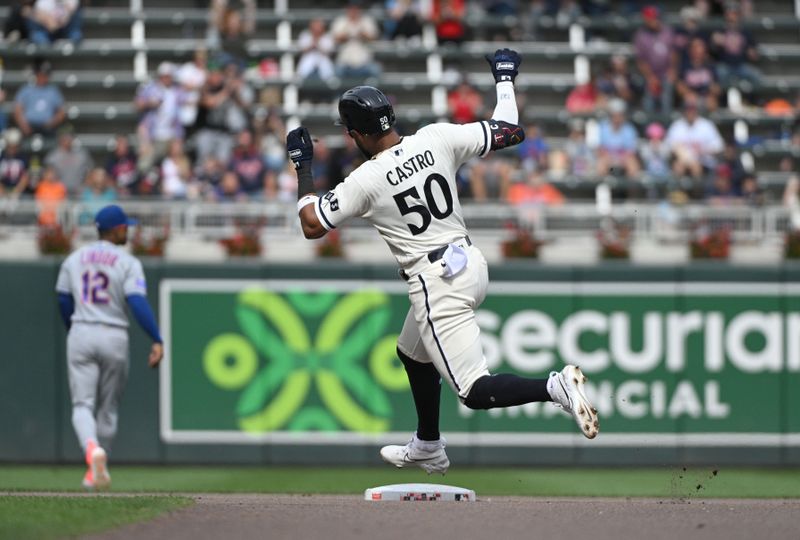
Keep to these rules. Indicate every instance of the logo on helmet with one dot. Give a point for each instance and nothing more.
(384, 120)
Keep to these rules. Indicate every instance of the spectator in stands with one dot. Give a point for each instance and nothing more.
(177, 181)
(97, 193)
(735, 49)
(698, 79)
(50, 195)
(352, 32)
(121, 167)
(721, 192)
(159, 102)
(343, 161)
(618, 81)
(51, 20)
(534, 151)
(228, 189)
(3, 115)
(695, 144)
(271, 137)
(791, 199)
(688, 31)
(584, 98)
(618, 143)
(209, 174)
(582, 161)
(731, 165)
(230, 28)
(248, 165)
(655, 156)
(224, 104)
(535, 191)
(39, 105)
(465, 103)
(16, 25)
(752, 192)
(70, 161)
(191, 77)
(404, 19)
(448, 16)
(654, 45)
(490, 179)
(317, 46)
(14, 178)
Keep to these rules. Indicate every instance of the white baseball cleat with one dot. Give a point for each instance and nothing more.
(428, 455)
(566, 389)
(99, 467)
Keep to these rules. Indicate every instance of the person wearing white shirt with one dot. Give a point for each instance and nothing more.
(694, 142)
(317, 46)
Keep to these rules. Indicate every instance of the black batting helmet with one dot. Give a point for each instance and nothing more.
(367, 110)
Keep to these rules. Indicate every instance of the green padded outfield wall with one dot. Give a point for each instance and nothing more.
(279, 364)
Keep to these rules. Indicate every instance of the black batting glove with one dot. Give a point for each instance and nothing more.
(505, 64)
(299, 146)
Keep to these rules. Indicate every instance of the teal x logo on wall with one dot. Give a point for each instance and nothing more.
(331, 363)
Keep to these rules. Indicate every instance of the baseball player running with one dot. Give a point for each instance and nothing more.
(407, 190)
(94, 284)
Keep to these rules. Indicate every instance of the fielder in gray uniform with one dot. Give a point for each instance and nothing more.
(95, 283)
(407, 190)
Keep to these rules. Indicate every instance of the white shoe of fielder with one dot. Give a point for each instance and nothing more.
(566, 389)
(429, 455)
(99, 468)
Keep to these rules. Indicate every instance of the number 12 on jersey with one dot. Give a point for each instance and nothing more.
(432, 209)
(95, 287)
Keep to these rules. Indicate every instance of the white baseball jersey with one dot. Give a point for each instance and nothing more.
(408, 192)
(99, 276)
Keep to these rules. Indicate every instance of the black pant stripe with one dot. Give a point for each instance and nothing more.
(435, 337)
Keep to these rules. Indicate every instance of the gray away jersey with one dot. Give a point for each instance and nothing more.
(99, 276)
(408, 192)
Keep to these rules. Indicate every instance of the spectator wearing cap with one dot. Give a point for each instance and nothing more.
(317, 46)
(655, 156)
(51, 20)
(39, 105)
(694, 143)
(352, 33)
(618, 142)
(159, 102)
(735, 49)
(654, 45)
(70, 161)
(14, 178)
(698, 79)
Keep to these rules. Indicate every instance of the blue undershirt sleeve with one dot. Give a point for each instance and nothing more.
(66, 306)
(144, 316)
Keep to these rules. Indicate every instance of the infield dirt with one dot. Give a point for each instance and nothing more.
(496, 518)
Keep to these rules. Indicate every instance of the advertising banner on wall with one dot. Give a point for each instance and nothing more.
(314, 362)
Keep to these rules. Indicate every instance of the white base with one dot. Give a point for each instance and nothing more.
(419, 492)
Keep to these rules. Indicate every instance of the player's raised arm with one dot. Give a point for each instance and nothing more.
(504, 126)
(301, 152)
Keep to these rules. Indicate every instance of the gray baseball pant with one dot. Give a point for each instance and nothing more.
(97, 366)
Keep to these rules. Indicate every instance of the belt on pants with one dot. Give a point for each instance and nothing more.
(434, 256)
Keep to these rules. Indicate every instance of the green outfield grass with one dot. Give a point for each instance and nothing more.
(42, 518)
(641, 482)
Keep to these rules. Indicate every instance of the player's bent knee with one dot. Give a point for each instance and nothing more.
(479, 396)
